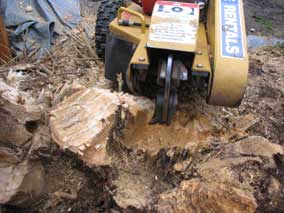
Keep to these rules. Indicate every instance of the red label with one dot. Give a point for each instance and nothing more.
(181, 4)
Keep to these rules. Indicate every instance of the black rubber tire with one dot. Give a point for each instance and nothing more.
(106, 13)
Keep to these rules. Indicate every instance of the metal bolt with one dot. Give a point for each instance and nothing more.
(201, 5)
(141, 59)
(199, 65)
(184, 76)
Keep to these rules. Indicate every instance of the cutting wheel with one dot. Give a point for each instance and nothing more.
(166, 100)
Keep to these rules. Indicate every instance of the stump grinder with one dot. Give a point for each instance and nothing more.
(158, 45)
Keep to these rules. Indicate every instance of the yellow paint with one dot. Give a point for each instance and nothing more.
(134, 13)
(140, 56)
(202, 55)
(229, 74)
(131, 34)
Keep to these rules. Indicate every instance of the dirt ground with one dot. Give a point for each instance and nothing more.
(147, 175)
(265, 17)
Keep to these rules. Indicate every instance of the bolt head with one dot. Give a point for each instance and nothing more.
(199, 65)
(201, 5)
(163, 75)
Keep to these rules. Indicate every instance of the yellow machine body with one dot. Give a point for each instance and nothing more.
(218, 44)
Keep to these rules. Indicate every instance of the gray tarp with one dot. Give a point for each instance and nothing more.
(39, 25)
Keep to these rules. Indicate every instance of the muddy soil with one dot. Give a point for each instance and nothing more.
(72, 187)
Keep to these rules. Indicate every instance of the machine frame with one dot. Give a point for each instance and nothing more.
(220, 55)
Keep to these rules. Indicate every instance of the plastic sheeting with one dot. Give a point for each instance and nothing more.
(39, 25)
